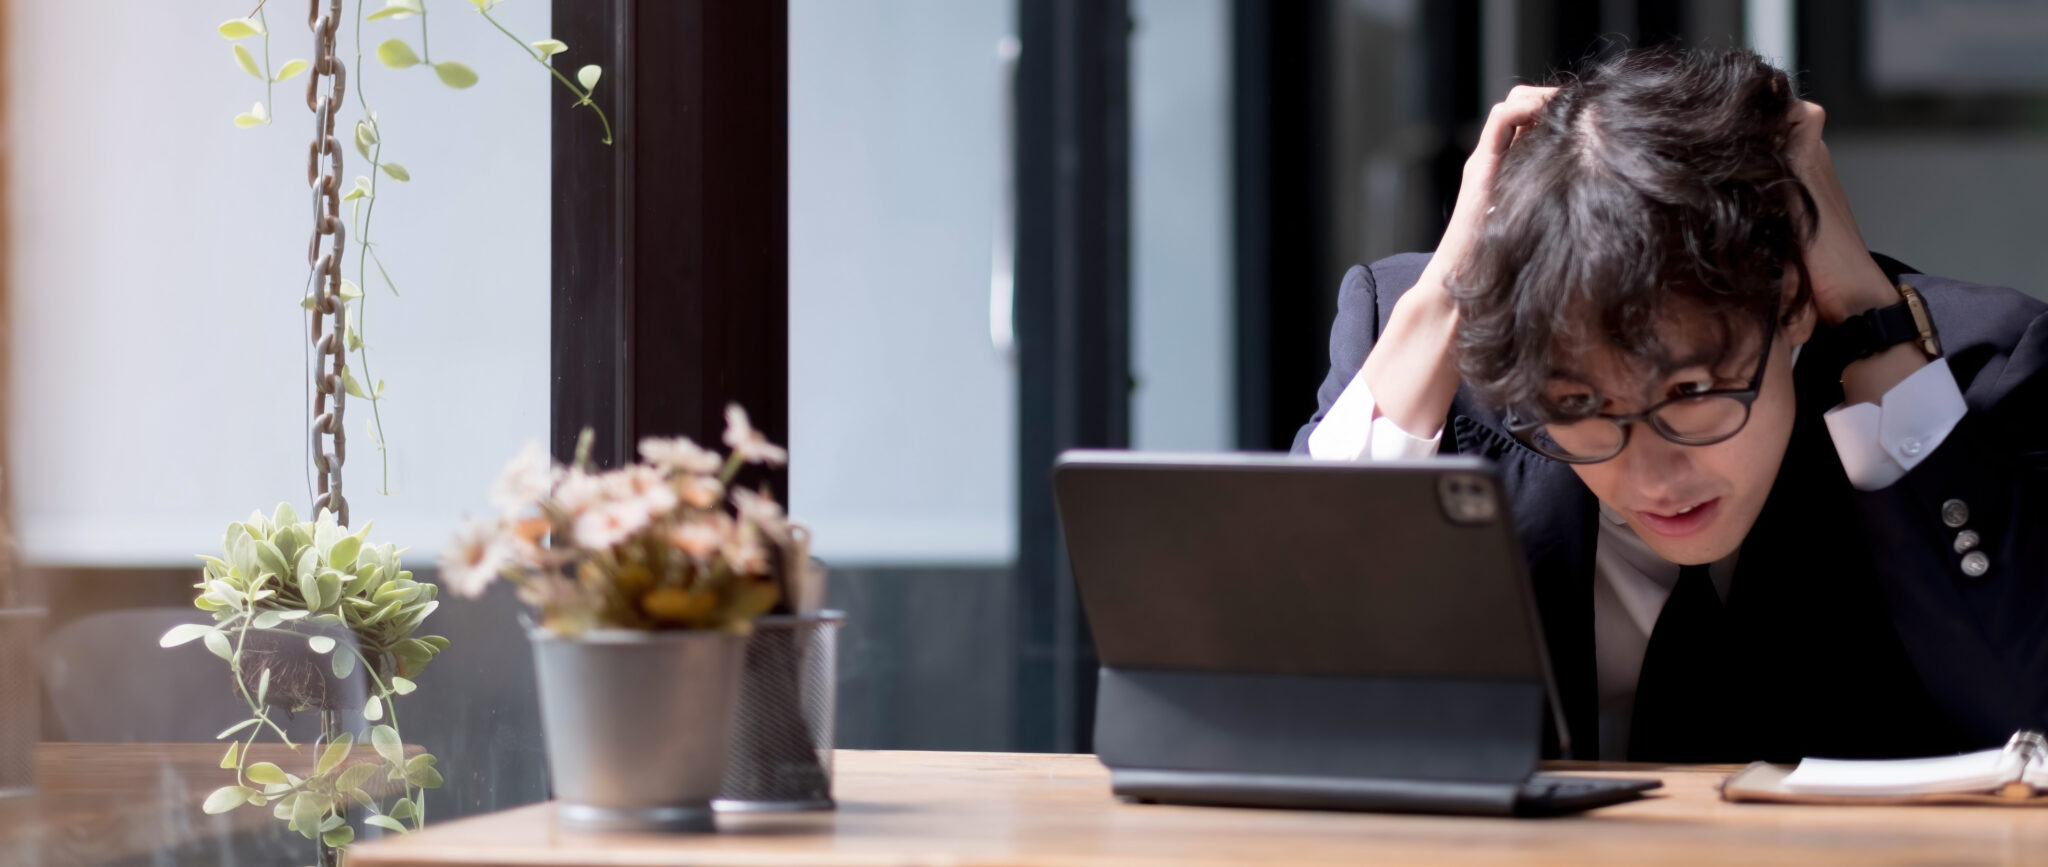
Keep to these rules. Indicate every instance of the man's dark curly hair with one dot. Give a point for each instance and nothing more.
(1653, 188)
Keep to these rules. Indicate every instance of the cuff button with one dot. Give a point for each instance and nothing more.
(1967, 541)
(1975, 564)
(1955, 513)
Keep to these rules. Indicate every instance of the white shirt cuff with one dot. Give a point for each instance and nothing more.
(1879, 443)
(1353, 430)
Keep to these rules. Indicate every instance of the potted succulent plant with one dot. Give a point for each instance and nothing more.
(647, 579)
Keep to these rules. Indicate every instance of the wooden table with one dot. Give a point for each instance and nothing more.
(987, 808)
(100, 803)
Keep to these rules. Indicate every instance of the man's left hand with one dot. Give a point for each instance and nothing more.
(1846, 281)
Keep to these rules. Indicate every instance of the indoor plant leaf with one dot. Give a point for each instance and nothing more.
(397, 172)
(241, 28)
(218, 643)
(355, 776)
(396, 54)
(549, 47)
(183, 633)
(320, 643)
(290, 69)
(385, 739)
(373, 709)
(588, 76)
(247, 61)
(226, 798)
(335, 753)
(396, 9)
(455, 75)
(385, 822)
(265, 772)
(344, 664)
(338, 837)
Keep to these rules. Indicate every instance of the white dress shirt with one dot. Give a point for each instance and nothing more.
(1878, 444)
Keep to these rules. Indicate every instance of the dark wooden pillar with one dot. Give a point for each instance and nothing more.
(670, 272)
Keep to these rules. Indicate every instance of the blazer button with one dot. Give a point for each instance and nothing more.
(1967, 540)
(1955, 513)
(1975, 564)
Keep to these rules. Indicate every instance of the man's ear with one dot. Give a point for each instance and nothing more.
(1801, 320)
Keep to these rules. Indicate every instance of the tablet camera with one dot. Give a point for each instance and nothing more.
(1467, 498)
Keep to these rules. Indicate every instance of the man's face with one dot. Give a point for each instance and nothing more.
(1691, 504)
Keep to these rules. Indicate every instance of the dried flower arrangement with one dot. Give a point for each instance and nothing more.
(666, 543)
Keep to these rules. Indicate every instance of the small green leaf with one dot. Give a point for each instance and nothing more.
(268, 620)
(355, 776)
(263, 688)
(397, 172)
(402, 810)
(183, 633)
(455, 75)
(339, 837)
(309, 587)
(549, 47)
(320, 643)
(385, 822)
(349, 384)
(396, 9)
(330, 585)
(361, 190)
(349, 290)
(290, 69)
(256, 115)
(265, 772)
(425, 778)
(344, 554)
(310, 302)
(241, 28)
(247, 61)
(373, 709)
(366, 135)
(402, 686)
(218, 643)
(228, 762)
(385, 739)
(439, 643)
(306, 812)
(292, 615)
(271, 559)
(237, 727)
(395, 54)
(588, 76)
(336, 751)
(344, 665)
(226, 798)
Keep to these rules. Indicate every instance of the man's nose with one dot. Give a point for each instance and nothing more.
(1652, 464)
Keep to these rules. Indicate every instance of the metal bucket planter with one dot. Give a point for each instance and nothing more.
(637, 725)
(782, 739)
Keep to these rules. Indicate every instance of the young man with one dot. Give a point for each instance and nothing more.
(1780, 497)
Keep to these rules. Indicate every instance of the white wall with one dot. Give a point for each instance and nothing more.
(902, 416)
(158, 254)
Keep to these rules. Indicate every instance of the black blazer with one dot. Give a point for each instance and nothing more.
(1857, 633)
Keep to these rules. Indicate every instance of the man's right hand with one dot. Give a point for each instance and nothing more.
(1410, 370)
(1504, 124)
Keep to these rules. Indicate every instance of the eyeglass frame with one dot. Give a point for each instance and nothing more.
(1524, 431)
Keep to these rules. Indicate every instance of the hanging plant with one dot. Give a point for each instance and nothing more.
(300, 609)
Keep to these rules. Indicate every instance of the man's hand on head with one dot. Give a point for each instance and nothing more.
(1845, 281)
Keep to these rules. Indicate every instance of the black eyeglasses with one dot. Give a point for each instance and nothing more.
(1701, 419)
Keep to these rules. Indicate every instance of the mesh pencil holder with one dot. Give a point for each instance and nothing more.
(781, 753)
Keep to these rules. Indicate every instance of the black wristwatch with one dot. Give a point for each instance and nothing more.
(1874, 331)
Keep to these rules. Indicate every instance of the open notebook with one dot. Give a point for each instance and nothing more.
(2016, 774)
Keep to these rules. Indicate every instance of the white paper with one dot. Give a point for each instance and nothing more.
(1970, 772)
